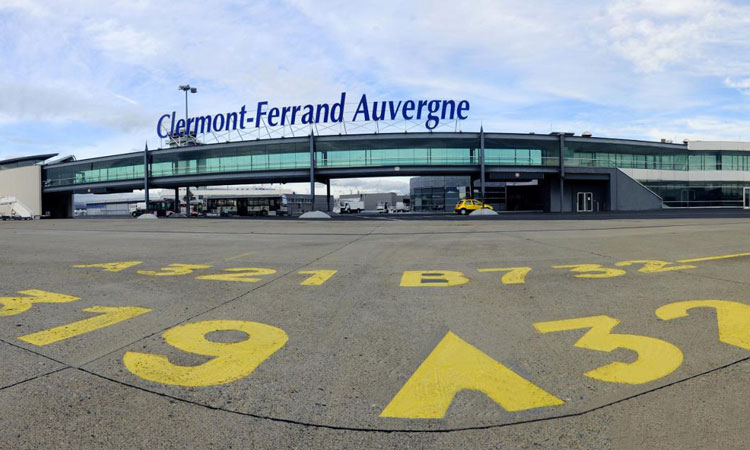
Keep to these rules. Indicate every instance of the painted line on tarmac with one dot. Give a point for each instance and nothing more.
(396, 233)
(241, 255)
(713, 258)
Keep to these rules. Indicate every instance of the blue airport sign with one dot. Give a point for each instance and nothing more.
(431, 112)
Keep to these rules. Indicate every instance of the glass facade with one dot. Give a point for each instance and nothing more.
(438, 149)
(681, 194)
(126, 168)
(434, 199)
(333, 153)
(285, 156)
(659, 162)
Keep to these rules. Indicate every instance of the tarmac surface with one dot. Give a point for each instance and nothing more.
(609, 332)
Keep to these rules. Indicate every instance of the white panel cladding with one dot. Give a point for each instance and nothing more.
(688, 175)
(24, 183)
(719, 145)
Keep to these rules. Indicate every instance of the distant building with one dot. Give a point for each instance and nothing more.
(443, 193)
(222, 201)
(372, 200)
(558, 172)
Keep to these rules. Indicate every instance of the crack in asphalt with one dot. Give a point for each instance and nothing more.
(41, 375)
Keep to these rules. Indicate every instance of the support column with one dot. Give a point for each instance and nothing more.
(328, 195)
(187, 202)
(312, 172)
(481, 160)
(177, 200)
(145, 178)
(562, 172)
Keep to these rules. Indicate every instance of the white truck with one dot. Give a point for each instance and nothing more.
(136, 209)
(349, 206)
(401, 207)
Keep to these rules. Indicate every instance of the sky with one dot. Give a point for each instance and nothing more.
(90, 78)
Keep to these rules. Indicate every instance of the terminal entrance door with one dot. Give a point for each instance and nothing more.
(686, 196)
(746, 198)
(585, 202)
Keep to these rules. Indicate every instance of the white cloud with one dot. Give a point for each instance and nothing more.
(123, 40)
(701, 35)
(30, 7)
(59, 103)
(741, 85)
(624, 68)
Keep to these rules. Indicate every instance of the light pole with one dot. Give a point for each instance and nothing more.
(187, 88)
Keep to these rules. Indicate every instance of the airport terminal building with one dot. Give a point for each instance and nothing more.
(557, 172)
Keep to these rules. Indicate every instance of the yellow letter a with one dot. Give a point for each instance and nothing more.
(455, 365)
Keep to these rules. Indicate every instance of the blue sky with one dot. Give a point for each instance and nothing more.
(92, 78)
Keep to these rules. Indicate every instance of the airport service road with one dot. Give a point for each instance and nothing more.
(375, 333)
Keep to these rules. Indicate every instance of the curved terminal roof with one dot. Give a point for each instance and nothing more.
(25, 160)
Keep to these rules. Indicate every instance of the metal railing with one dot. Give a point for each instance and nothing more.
(613, 163)
(135, 172)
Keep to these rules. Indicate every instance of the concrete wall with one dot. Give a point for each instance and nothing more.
(24, 183)
(613, 190)
(630, 195)
(598, 187)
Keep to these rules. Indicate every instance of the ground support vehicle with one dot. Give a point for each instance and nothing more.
(13, 209)
(351, 206)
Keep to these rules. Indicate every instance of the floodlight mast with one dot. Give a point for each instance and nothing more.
(187, 88)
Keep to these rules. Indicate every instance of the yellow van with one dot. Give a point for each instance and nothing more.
(468, 205)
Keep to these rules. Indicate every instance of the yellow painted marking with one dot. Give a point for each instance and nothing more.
(592, 270)
(233, 360)
(241, 255)
(654, 265)
(244, 274)
(109, 315)
(453, 366)
(513, 275)
(317, 277)
(656, 358)
(713, 258)
(110, 267)
(175, 270)
(432, 278)
(733, 318)
(16, 305)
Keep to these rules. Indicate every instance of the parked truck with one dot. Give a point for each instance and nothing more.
(349, 206)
